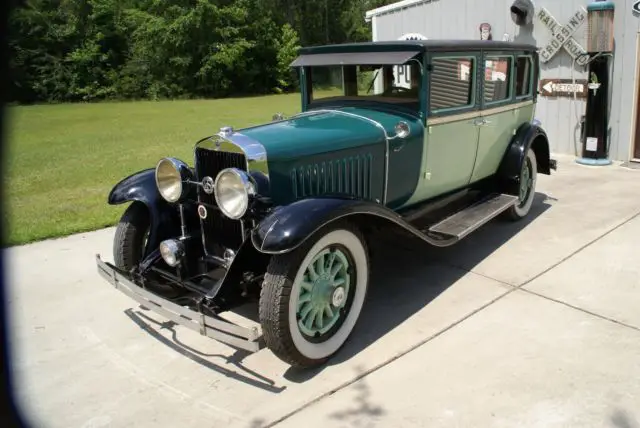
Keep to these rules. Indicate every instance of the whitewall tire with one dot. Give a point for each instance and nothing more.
(526, 188)
(312, 297)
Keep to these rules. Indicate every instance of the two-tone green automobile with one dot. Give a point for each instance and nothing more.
(431, 137)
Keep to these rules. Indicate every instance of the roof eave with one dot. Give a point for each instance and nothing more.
(391, 8)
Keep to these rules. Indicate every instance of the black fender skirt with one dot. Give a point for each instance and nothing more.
(289, 226)
(141, 187)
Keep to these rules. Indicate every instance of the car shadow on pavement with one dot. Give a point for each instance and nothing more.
(235, 359)
(402, 282)
(400, 286)
(620, 418)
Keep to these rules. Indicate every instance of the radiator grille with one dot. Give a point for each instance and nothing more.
(217, 228)
(350, 176)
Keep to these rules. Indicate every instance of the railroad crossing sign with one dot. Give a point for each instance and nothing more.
(561, 36)
(563, 88)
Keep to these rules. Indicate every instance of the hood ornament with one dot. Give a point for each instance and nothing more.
(226, 131)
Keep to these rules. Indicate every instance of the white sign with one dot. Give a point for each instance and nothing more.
(562, 36)
(592, 144)
(402, 73)
(552, 87)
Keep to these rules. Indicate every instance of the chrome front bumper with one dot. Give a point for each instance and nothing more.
(223, 331)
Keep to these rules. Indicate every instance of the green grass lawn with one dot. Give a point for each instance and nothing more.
(62, 160)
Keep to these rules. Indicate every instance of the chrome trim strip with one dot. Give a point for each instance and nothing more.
(476, 113)
(226, 332)
(345, 113)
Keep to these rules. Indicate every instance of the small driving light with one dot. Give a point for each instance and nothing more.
(172, 251)
(402, 130)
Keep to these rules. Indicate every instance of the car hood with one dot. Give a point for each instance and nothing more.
(326, 131)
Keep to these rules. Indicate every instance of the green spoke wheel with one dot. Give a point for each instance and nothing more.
(323, 292)
(312, 297)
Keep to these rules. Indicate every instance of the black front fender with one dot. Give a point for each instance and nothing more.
(289, 226)
(141, 187)
(529, 135)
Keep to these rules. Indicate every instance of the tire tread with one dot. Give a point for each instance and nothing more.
(274, 301)
(129, 235)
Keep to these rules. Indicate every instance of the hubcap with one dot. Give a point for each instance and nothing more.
(323, 292)
(338, 297)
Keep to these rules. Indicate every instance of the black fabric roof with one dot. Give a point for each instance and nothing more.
(419, 46)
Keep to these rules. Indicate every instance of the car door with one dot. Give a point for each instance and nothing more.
(452, 131)
(505, 105)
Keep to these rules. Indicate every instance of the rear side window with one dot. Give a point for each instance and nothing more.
(497, 79)
(451, 83)
(524, 76)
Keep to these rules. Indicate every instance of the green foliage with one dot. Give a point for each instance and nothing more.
(86, 50)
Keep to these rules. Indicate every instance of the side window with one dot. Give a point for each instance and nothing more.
(451, 83)
(524, 76)
(497, 79)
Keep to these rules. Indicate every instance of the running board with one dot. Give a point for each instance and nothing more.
(471, 218)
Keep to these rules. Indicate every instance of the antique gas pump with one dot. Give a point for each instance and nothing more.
(595, 138)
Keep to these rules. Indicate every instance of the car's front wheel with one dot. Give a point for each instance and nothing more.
(131, 236)
(312, 297)
(526, 188)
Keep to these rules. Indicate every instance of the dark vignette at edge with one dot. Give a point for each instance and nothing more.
(9, 411)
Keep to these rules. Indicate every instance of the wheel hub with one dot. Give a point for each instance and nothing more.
(338, 297)
(323, 292)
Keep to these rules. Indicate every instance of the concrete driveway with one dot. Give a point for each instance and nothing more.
(529, 324)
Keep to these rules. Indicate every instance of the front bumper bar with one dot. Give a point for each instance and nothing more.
(223, 331)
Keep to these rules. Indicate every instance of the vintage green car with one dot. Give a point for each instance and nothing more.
(431, 137)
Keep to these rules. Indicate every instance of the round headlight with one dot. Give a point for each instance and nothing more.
(170, 175)
(232, 190)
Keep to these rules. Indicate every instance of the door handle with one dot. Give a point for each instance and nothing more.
(481, 122)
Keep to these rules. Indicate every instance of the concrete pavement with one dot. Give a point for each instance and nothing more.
(527, 324)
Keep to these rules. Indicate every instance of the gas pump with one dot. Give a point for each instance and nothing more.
(595, 135)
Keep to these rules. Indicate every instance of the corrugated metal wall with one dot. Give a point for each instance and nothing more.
(461, 19)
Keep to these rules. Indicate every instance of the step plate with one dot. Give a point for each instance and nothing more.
(466, 221)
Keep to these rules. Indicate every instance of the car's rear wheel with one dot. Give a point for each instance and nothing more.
(312, 297)
(526, 188)
(131, 236)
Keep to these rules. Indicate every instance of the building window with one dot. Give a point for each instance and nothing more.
(451, 83)
(524, 76)
(497, 78)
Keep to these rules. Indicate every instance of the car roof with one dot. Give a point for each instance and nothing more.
(419, 45)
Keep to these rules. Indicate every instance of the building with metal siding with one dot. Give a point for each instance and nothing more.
(560, 116)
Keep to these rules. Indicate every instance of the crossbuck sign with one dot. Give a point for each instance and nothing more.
(561, 36)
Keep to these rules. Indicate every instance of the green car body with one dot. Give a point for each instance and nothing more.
(286, 212)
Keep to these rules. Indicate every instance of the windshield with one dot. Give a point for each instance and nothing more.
(396, 84)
